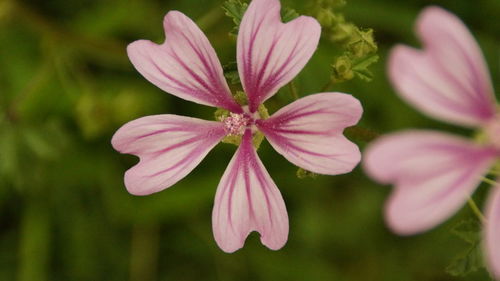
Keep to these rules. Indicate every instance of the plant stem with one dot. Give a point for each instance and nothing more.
(326, 86)
(210, 18)
(144, 252)
(34, 248)
(489, 181)
(475, 210)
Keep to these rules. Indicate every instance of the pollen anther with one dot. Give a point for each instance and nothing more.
(236, 124)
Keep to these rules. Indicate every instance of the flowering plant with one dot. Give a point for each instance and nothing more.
(435, 173)
(307, 132)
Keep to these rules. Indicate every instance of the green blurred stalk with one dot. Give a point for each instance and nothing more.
(144, 252)
(211, 18)
(35, 239)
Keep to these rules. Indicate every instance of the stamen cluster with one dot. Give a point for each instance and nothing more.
(235, 124)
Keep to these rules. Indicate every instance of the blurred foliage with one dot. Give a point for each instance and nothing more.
(66, 85)
(472, 258)
(358, 46)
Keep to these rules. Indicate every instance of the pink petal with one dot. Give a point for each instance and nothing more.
(448, 80)
(169, 147)
(248, 200)
(185, 65)
(270, 54)
(308, 132)
(492, 232)
(434, 174)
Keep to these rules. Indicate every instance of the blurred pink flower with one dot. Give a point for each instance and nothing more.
(435, 173)
(308, 132)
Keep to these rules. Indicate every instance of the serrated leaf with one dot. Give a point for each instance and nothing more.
(231, 72)
(288, 14)
(468, 230)
(364, 74)
(469, 261)
(235, 9)
(360, 67)
(362, 42)
(233, 77)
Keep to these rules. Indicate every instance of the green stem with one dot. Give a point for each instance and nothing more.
(475, 209)
(293, 90)
(210, 18)
(144, 252)
(326, 86)
(107, 50)
(488, 181)
(32, 86)
(34, 242)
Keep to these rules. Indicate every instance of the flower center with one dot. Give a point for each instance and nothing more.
(236, 124)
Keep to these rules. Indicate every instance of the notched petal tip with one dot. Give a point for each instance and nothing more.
(448, 79)
(169, 148)
(248, 200)
(434, 174)
(432, 14)
(184, 65)
(309, 132)
(270, 53)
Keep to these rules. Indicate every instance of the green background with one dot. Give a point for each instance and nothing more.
(66, 85)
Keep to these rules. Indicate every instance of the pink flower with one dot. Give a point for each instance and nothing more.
(307, 132)
(435, 173)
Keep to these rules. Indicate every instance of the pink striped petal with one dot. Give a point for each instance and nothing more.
(270, 54)
(169, 147)
(248, 200)
(449, 79)
(434, 174)
(185, 65)
(492, 232)
(308, 132)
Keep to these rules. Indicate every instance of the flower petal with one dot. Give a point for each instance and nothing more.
(248, 200)
(270, 54)
(308, 132)
(185, 65)
(434, 174)
(169, 147)
(492, 232)
(448, 80)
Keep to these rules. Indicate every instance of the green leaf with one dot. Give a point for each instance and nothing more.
(231, 72)
(468, 230)
(362, 42)
(233, 77)
(471, 259)
(467, 262)
(288, 14)
(360, 67)
(235, 9)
